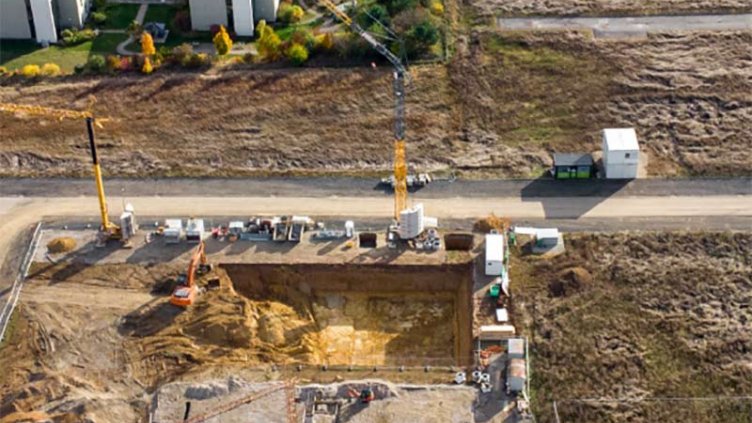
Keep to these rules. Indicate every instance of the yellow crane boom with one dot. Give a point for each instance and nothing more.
(112, 230)
(400, 74)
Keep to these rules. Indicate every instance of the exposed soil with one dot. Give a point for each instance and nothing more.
(93, 340)
(500, 108)
(61, 245)
(665, 315)
(607, 7)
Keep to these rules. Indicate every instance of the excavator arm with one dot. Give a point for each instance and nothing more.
(398, 86)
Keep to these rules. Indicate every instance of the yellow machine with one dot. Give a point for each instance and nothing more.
(400, 74)
(108, 230)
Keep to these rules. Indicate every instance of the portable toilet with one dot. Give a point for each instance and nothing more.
(173, 231)
(621, 153)
(494, 254)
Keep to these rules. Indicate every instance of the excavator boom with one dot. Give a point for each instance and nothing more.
(185, 295)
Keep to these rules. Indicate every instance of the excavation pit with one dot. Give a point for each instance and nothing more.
(359, 315)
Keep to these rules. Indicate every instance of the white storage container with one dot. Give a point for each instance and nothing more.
(494, 254)
(621, 153)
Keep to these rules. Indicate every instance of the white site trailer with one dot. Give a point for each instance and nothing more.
(621, 153)
(173, 231)
(494, 254)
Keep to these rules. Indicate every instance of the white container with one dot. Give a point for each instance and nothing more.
(516, 348)
(173, 231)
(502, 315)
(621, 153)
(411, 222)
(494, 254)
(349, 228)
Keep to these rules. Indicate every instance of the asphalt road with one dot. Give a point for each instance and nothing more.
(357, 187)
(616, 26)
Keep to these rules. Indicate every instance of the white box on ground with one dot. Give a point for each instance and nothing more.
(516, 348)
(194, 230)
(621, 153)
(502, 315)
(496, 332)
(412, 223)
(173, 231)
(494, 254)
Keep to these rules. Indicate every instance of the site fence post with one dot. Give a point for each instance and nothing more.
(556, 413)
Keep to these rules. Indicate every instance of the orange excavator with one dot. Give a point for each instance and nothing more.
(185, 293)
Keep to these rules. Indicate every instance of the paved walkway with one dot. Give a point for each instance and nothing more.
(631, 26)
(121, 48)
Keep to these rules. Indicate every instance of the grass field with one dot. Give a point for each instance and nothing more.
(14, 54)
(119, 16)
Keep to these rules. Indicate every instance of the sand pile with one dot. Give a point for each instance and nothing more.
(491, 222)
(61, 245)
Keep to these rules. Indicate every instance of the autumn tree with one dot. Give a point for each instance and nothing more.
(147, 68)
(268, 43)
(297, 54)
(222, 41)
(147, 44)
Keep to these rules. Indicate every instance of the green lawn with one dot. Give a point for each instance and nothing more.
(119, 16)
(161, 13)
(14, 54)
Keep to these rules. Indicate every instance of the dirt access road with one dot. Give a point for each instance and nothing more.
(633, 25)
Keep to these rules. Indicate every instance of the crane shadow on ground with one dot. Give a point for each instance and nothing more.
(570, 199)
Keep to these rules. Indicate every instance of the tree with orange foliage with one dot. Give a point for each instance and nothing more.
(147, 44)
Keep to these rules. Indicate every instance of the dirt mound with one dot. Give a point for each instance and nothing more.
(491, 222)
(569, 281)
(61, 245)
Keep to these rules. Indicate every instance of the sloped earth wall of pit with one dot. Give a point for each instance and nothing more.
(368, 314)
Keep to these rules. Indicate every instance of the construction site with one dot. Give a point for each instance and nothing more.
(356, 256)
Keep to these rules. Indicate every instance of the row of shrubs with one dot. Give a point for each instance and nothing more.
(33, 71)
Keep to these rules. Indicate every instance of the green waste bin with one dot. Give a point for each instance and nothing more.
(495, 290)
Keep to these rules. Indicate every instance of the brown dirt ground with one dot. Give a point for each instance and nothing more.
(665, 315)
(91, 340)
(606, 7)
(501, 106)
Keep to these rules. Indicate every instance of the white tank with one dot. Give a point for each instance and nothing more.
(411, 222)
